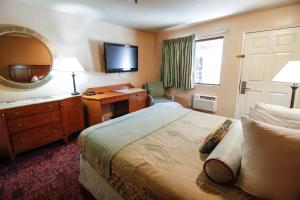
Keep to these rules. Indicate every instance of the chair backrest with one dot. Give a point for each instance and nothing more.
(155, 89)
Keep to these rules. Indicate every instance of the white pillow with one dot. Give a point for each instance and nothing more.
(270, 167)
(280, 111)
(262, 116)
(290, 117)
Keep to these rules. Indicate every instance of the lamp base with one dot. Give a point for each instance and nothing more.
(74, 85)
(294, 88)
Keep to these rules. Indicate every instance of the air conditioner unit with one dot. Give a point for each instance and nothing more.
(205, 102)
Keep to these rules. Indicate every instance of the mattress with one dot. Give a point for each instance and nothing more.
(165, 164)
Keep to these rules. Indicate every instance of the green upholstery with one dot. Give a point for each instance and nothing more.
(157, 93)
(177, 62)
(161, 100)
(155, 89)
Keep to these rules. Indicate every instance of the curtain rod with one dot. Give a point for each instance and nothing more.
(200, 36)
(213, 33)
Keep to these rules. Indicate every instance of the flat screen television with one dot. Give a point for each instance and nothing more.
(120, 57)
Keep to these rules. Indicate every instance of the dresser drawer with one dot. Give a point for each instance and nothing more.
(33, 121)
(141, 95)
(31, 110)
(137, 101)
(114, 99)
(32, 138)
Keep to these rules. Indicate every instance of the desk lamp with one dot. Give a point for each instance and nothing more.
(70, 65)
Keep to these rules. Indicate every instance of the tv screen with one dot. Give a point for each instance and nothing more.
(120, 57)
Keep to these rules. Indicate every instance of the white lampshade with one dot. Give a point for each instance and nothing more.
(290, 73)
(69, 65)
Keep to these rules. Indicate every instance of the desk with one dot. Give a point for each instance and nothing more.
(134, 99)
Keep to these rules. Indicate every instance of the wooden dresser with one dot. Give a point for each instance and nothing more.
(28, 124)
(110, 99)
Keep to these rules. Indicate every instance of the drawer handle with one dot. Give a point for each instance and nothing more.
(19, 125)
(16, 113)
(55, 131)
(23, 140)
(2, 115)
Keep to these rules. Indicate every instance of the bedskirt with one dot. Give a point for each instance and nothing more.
(92, 181)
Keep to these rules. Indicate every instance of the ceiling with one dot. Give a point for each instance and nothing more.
(155, 15)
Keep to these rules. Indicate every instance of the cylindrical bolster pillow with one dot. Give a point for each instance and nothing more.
(223, 163)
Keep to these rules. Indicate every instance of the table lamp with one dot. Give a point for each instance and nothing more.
(70, 65)
(290, 73)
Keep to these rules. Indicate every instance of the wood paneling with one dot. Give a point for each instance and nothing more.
(115, 98)
(137, 101)
(72, 115)
(33, 121)
(33, 109)
(24, 73)
(93, 112)
(5, 147)
(26, 140)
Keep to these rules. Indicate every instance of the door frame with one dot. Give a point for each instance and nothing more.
(242, 60)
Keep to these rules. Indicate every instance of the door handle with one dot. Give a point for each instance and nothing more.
(244, 87)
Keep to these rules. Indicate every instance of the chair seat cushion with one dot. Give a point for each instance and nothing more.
(161, 100)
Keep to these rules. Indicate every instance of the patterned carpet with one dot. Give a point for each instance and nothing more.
(50, 172)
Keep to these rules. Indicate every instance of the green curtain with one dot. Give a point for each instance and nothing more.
(177, 62)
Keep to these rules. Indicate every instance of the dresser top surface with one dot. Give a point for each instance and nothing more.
(25, 102)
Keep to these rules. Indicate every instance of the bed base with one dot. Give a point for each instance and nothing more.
(95, 183)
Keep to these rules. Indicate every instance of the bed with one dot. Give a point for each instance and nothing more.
(163, 162)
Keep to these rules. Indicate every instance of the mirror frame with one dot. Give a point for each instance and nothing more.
(6, 29)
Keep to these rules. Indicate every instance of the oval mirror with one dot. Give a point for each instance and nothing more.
(26, 58)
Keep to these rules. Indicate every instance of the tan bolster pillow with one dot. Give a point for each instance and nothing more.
(223, 163)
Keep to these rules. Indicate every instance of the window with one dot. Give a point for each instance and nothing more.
(208, 60)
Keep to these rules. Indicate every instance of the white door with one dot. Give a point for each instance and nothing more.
(265, 54)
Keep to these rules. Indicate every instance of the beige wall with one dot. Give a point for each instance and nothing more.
(237, 25)
(74, 36)
(21, 50)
